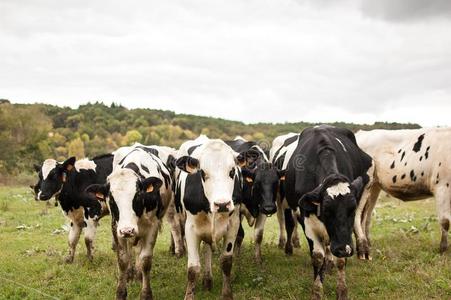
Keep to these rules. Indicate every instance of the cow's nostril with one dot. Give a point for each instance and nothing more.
(127, 232)
(223, 206)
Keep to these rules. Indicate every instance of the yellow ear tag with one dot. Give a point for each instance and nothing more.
(282, 178)
(190, 169)
(249, 179)
(242, 164)
(100, 196)
(149, 189)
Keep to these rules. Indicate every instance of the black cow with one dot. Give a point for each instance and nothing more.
(327, 186)
(67, 181)
(260, 185)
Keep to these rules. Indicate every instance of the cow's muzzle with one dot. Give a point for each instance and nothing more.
(268, 210)
(343, 251)
(127, 232)
(223, 207)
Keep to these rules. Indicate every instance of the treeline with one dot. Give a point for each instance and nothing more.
(30, 133)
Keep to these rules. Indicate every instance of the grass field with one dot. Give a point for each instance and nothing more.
(406, 262)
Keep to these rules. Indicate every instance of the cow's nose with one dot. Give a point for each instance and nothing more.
(223, 206)
(127, 232)
(44, 197)
(344, 251)
(268, 210)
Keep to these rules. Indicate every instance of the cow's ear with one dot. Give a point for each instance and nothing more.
(241, 159)
(310, 201)
(281, 174)
(188, 164)
(357, 187)
(248, 175)
(171, 163)
(151, 184)
(69, 164)
(37, 168)
(99, 190)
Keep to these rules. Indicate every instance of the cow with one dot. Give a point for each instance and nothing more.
(324, 181)
(138, 192)
(260, 186)
(67, 182)
(280, 153)
(209, 190)
(411, 165)
(176, 221)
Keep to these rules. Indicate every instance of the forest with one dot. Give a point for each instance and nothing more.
(30, 133)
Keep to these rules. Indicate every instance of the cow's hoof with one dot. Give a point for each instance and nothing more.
(289, 250)
(180, 253)
(90, 258)
(207, 283)
(296, 243)
(189, 296)
(146, 295)
(342, 294)
(69, 259)
(329, 266)
(282, 243)
(317, 291)
(121, 294)
(443, 248)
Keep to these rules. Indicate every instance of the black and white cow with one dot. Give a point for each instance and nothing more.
(176, 221)
(260, 186)
(209, 192)
(325, 178)
(410, 165)
(280, 153)
(138, 191)
(67, 182)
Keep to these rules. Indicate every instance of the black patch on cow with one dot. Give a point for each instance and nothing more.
(405, 164)
(146, 169)
(403, 176)
(438, 175)
(439, 164)
(417, 145)
(229, 247)
(146, 201)
(84, 224)
(399, 151)
(192, 148)
(194, 198)
(148, 150)
(392, 165)
(402, 156)
(426, 154)
(421, 158)
(422, 173)
(285, 144)
(71, 224)
(437, 181)
(114, 209)
(447, 185)
(394, 179)
(135, 168)
(412, 175)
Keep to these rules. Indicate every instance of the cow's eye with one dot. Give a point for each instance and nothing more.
(232, 173)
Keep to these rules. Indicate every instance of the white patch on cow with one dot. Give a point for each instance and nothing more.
(259, 149)
(47, 166)
(86, 164)
(239, 137)
(123, 189)
(341, 188)
(316, 231)
(342, 145)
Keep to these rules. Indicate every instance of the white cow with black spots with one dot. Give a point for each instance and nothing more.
(411, 165)
(208, 191)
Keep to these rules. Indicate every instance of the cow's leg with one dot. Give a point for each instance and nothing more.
(123, 262)
(90, 234)
(74, 236)
(114, 239)
(318, 263)
(329, 260)
(289, 225)
(258, 237)
(192, 243)
(176, 231)
(239, 240)
(145, 260)
(207, 274)
(363, 217)
(227, 255)
(443, 203)
(295, 237)
(342, 290)
(281, 220)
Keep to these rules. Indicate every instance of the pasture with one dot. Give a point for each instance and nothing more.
(406, 263)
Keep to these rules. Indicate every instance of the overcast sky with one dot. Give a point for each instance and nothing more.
(248, 60)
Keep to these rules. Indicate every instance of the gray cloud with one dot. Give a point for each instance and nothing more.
(281, 61)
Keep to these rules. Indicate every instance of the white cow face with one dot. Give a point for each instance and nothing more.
(218, 165)
(129, 197)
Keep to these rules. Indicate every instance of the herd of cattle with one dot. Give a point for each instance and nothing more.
(325, 178)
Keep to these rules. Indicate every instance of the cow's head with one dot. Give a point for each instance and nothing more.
(218, 165)
(129, 197)
(52, 175)
(260, 187)
(335, 202)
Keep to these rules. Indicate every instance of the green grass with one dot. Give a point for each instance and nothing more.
(406, 262)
